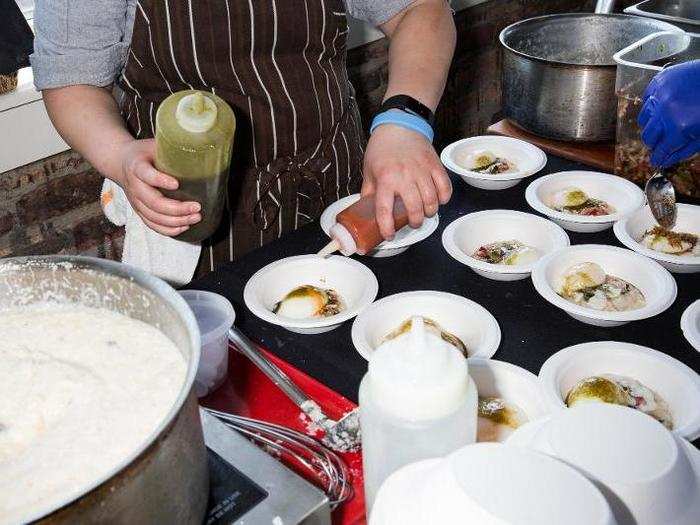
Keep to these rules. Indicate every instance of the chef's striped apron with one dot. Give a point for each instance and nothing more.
(281, 65)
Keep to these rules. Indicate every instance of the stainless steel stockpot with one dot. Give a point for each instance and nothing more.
(166, 479)
(559, 73)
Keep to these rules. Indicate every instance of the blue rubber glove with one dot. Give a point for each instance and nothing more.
(670, 116)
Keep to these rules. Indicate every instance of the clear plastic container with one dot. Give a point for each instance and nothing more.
(215, 315)
(636, 66)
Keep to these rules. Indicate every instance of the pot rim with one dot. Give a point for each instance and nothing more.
(164, 292)
(663, 26)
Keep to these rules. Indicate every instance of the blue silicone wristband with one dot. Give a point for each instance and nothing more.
(405, 120)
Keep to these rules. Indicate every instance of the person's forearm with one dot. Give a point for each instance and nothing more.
(421, 48)
(88, 119)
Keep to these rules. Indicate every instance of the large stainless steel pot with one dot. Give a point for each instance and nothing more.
(682, 13)
(559, 74)
(166, 479)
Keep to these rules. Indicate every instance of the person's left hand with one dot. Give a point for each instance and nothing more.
(402, 163)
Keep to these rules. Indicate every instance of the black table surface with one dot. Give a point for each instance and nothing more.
(532, 329)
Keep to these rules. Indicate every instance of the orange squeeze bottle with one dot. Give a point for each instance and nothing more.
(356, 229)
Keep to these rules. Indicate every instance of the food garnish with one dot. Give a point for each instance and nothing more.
(308, 301)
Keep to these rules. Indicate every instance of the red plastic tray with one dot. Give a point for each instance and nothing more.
(248, 392)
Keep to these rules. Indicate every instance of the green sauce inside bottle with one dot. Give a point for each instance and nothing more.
(194, 140)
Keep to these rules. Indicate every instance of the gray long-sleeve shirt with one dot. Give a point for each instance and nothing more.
(87, 41)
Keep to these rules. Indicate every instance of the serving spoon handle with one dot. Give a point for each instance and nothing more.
(267, 367)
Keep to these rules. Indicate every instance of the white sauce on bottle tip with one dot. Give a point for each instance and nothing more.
(196, 113)
(418, 376)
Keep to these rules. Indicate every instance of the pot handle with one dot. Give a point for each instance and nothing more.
(267, 367)
(604, 7)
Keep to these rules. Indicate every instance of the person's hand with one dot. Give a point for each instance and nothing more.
(670, 116)
(141, 180)
(402, 163)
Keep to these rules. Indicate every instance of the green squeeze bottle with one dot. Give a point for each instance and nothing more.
(194, 140)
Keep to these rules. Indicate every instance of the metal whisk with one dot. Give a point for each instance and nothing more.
(302, 453)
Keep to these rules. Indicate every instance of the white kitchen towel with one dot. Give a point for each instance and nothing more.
(170, 259)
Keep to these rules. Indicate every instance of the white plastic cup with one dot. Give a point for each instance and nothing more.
(215, 315)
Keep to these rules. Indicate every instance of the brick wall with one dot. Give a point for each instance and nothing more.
(51, 206)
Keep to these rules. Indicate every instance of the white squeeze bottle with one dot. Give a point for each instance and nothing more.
(417, 401)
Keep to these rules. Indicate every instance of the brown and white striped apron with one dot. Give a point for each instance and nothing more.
(280, 64)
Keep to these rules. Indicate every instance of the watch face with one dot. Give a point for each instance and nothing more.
(410, 105)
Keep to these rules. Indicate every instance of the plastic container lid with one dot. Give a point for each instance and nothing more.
(214, 313)
(196, 113)
(491, 484)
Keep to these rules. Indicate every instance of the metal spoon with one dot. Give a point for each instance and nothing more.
(341, 436)
(662, 199)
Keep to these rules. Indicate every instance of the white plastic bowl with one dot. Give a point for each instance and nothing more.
(649, 475)
(465, 235)
(215, 315)
(631, 228)
(690, 324)
(622, 194)
(354, 282)
(469, 321)
(652, 279)
(509, 382)
(528, 160)
(675, 382)
(489, 484)
(403, 239)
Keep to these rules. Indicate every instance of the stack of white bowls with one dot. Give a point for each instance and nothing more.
(592, 463)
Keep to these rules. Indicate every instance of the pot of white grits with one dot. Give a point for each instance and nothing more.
(98, 419)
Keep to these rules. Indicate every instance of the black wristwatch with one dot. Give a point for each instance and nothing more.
(410, 105)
